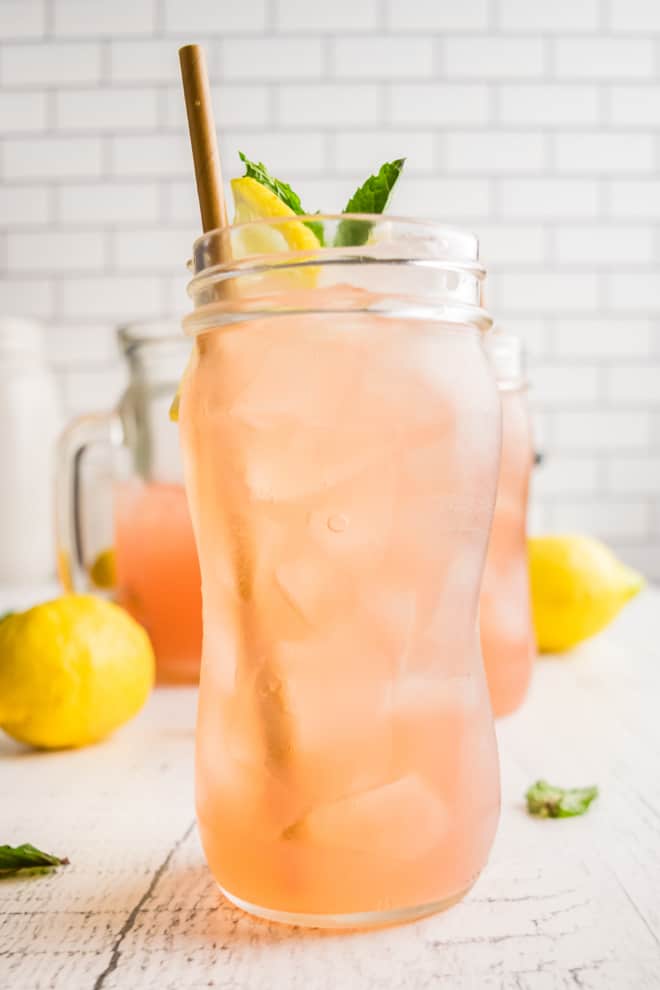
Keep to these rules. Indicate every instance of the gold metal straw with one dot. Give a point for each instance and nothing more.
(208, 175)
(203, 140)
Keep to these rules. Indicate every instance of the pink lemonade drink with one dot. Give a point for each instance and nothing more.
(158, 574)
(507, 632)
(340, 432)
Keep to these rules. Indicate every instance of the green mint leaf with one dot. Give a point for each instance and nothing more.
(283, 191)
(547, 801)
(13, 859)
(316, 228)
(371, 197)
(5, 615)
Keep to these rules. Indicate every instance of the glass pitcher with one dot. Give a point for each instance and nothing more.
(148, 556)
(507, 631)
(340, 429)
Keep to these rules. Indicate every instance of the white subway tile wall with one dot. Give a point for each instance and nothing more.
(536, 124)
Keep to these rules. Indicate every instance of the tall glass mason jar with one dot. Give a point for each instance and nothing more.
(507, 631)
(340, 430)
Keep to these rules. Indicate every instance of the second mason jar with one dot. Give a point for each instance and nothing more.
(340, 429)
(507, 632)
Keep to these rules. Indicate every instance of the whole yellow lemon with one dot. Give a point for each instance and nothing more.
(578, 586)
(71, 671)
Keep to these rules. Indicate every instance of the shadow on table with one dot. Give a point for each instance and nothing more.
(187, 907)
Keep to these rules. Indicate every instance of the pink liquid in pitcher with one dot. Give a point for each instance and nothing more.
(158, 579)
(507, 634)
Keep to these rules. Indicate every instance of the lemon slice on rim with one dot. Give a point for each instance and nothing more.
(252, 201)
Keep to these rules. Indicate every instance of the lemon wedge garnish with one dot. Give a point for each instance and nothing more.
(253, 201)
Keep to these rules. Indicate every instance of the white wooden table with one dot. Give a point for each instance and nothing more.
(570, 903)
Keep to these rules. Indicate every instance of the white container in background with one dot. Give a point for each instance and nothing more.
(29, 425)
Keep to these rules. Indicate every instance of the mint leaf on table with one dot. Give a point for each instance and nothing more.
(546, 801)
(371, 197)
(14, 859)
(283, 191)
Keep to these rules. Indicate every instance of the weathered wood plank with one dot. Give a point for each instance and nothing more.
(567, 904)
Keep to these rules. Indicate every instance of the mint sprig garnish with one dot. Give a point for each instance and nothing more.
(15, 859)
(283, 191)
(546, 801)
(371, 197)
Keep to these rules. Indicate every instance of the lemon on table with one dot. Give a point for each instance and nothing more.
(71, 671)
(578, 586)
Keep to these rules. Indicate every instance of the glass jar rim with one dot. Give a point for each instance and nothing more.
(372, 218)
(452, 245)
(440, 264)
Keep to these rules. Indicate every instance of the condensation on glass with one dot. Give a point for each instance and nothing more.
(340, 429)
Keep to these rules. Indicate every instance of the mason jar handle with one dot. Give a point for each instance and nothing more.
(84, 432)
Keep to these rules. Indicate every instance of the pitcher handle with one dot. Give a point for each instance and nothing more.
(83, 433)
